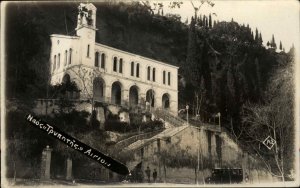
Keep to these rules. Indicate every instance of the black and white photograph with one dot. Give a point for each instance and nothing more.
(187, 93)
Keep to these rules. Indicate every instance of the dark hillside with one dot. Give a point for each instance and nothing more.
(233, 64)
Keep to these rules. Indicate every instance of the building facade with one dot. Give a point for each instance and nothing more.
(108, 74)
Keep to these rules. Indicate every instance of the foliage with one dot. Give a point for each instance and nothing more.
(274, 118)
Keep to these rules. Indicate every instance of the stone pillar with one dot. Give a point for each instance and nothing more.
(69, 169)
(46, 162)
(125, 97)
(101, 117)
(107, 97)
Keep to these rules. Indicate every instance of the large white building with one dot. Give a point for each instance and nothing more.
(108, 74)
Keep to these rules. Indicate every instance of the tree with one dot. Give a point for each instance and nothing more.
(209, 21)
(273, 43)
(202, 2)
(260, 40)
(274, 118)
(86, 77)
(215, 23)
(256, 36)
(280, 46)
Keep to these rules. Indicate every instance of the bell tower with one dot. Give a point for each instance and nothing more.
(86, 30)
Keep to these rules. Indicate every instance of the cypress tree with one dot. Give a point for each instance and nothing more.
(256, 36)
(203, 20)
(273, 43)
(192, 69)
(214, 23)
(280, 45)
(200, 21)
(209, 21)
(260, 41)
(206, 22)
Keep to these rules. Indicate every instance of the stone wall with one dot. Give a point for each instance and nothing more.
(214, 154)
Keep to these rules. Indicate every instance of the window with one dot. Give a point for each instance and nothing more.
(153, 75)
(148, 73)
(58, 61)
(169, 78)
(164, 77)
(138, 70)
(70, 56)
(66, 57)
(102, 60)
(115, 64)
(97, 59)
(121, 65)
(88, 51)
(132, 68)
(54, 63)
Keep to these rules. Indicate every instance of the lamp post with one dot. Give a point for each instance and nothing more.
(187, 114)
(219, 115)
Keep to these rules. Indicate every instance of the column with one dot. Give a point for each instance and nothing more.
(107, 97)
(69, 169)
(46, 163)
(125, 97)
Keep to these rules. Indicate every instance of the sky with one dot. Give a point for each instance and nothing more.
(278, 17)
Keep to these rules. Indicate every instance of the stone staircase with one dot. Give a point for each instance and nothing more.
(125, 142)
(168, 117)
(176, 125)
(165, 134)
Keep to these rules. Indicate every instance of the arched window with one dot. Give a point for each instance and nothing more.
(97, 59)
(88, 51)
(153, 75)
(169, 78)
(166, 101)
(148, 73)
(54, 63)
(70, 56)
(115, 64)
(102, 60)
(164, 77)
(58, 61)
(132, 68)
(66, 57)
(138, 70)
(121, 65)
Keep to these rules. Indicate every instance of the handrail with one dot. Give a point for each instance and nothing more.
(135, 138)
(167, 116)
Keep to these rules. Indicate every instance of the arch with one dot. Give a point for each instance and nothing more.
(103, 60)
(54, 63)
(166, 101)
(58, 61)
(97, 59)
(120, 65)
(66, 79)
(70, 56)
(133, 96)
(115, 64)
(88, 51)
(66, 57)
(116, 93)
(148, 73)
(98, 89)
(150, 97)
(153, 74)
(138, 70)
(132, 68)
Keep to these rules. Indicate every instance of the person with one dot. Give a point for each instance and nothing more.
(154, 175)
(148, 172)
